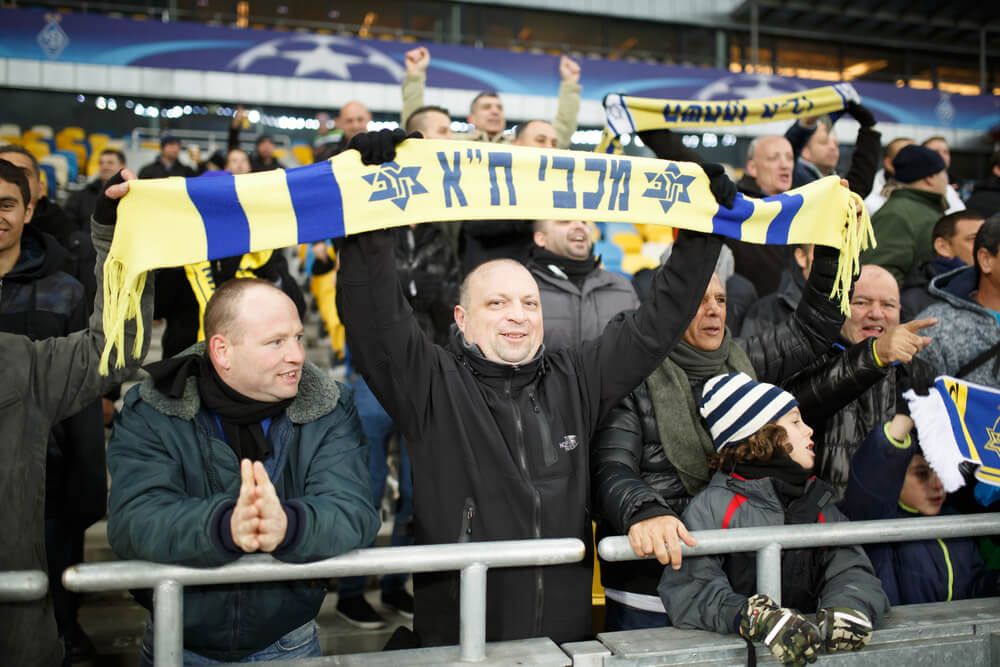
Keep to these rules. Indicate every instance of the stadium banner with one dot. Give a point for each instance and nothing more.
(37, 35)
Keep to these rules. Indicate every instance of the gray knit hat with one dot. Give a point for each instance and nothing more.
(735, 406)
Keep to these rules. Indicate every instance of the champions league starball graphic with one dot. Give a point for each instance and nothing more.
(324, 56)
(748, 87)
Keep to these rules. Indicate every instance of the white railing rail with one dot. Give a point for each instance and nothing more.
(473, 559)
(23, 585)
(770, 540)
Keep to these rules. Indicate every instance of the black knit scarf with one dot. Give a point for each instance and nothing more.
(789, 478)
(576, 270)
(239, 415)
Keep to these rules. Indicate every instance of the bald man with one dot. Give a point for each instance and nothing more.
(498, 427)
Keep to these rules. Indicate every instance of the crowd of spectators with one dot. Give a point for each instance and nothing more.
(519, 389)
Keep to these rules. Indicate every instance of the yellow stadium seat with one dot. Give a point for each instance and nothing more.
(303, 153)
(14, 139)
(44, 131)
(30, 136)
(38, 148)
(658, 233)
(98, 141)
(72, 133)
(630, 243)
(632, 262)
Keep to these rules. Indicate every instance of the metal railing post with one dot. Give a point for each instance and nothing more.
(168, 624)
(472, 613)
(23, 585)
(769, 571)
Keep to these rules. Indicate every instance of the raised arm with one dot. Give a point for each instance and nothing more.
(414, 82)
(565, 122)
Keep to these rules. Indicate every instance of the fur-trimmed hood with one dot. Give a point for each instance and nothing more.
(318, 395)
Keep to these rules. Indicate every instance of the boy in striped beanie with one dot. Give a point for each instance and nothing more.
(764, 460)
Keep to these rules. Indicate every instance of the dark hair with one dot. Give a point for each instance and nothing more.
(945, 227)
(408, 125)
(987, 237)
(117, 153)
(262, 138)
(485, 93)
(770, 441)
(995, 160)
(222, 308)
(13, 148)
(11, 173)
(521, 127)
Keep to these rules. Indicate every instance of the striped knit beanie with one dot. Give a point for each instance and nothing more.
(735, 406)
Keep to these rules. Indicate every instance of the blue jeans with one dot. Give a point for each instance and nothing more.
(302, 642)
(618, 616)
(378, 429)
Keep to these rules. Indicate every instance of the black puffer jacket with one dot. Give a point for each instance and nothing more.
(428, 273)
(501, 451)
(633, 480)
(843, 396)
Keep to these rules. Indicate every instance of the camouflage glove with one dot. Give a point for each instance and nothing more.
(843, 629)
(792, 639)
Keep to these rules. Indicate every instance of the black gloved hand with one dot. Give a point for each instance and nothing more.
(915, 376)
(861, 114)
(721, 185)
(379, 147)
(106, 208)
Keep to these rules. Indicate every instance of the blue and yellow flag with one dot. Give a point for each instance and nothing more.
(627, 115)
(959, 421)
(176, 221)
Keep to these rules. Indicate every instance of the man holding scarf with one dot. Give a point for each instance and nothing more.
(238, 446)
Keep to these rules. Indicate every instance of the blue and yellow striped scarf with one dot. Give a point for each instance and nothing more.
(176, 221)
(628, 115)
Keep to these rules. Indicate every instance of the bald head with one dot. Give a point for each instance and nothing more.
(353, 119)
(770, 162)
(500, 311)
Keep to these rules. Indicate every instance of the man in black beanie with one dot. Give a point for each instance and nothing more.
(904, 225)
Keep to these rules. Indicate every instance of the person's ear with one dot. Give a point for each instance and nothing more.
(943, 248)
(219, 351)
(460, 318)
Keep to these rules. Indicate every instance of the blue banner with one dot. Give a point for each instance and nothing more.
(96, 39)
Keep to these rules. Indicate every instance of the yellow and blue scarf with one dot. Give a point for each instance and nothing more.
(628, 115)
(177, 221)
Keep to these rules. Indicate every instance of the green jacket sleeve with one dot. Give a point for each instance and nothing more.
(698, 595)
(64, 376)
(894, 250)
(335, 505)
(565, 122)
(152, 513)
(413, 95)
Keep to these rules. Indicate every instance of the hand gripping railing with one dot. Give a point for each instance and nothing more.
(473, 559)
(23, 585)
(768, 541)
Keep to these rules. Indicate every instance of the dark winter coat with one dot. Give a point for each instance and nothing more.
(574, 314)
(921, 570)
(774, 308)
(760, 264)
(500, 452)
(985, 198)
(51, 219)
(496, 239)
(864, 159)
(428, 273)
(157, 169)
(39, 300)
(174, 478)
(915, 294)
(634, 480)
(700, 596)
(44, 382)
(80, 205)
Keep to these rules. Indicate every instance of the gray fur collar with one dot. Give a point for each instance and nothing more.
(318, 395)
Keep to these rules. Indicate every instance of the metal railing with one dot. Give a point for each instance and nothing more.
(768, 541)
(473, 559)
(23, 585)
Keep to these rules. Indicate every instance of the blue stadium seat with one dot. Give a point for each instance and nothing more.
(50, 177)
(611, 255)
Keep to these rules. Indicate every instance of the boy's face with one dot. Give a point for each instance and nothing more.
(922, 488)
(13, 215)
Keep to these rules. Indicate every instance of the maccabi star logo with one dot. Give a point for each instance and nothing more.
(395, 183)
(669, 187)
(994, 433)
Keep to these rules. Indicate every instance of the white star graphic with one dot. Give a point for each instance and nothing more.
(322, 59)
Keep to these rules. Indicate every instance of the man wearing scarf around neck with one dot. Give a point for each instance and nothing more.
(239, 446)
(578, 297)
(650, 453)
